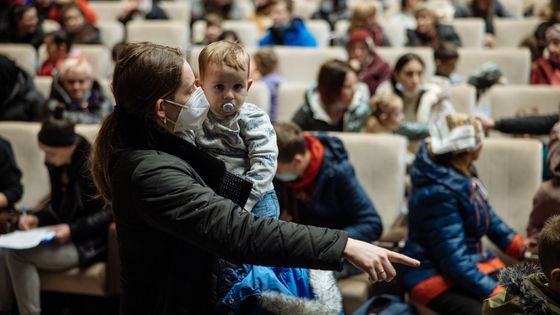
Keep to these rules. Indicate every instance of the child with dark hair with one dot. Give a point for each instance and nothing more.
(545, 69)
(446, 58)
(59, 46)
(529, 289)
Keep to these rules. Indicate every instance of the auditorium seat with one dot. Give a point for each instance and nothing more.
(508, 100)
(511, 32)
(470, 31)
(259, 94)
(24, 55)
(99, 56)
(320, 30)
(112, 33)
(290, 98)
(463, 98)
(515, 63)
(164, 32)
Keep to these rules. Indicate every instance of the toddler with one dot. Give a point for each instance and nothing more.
(238, 133)
(386, 114)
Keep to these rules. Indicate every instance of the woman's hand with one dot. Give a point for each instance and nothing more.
(27, 222)
(62, 233)
(375, 261)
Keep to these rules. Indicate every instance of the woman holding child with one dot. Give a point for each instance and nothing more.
(168, 198)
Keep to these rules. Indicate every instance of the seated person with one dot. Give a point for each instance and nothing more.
(487, 10)
(429, 31)
(213, 31)
(386, 114)
(335, 104)
(317, 185)
(23, 26)
(331, 11)
(286, 29)
(59, 48)
(80, 221)
(76, 90)
(226, 9)
(449, 213)
(446, 58)
(11, 189)
(19, 99)
(371, 69)
(530, 290)
(545, 70)
(546, 202)
(78, 28)
(55, 9)
(146, 9)
(266, 71)
(364, 16)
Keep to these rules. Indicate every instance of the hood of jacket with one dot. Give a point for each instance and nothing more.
(335, 153)
(426, 171)
(353, 117)
(528, 286)
(553, 157)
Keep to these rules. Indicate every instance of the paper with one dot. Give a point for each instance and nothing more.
(27, 239)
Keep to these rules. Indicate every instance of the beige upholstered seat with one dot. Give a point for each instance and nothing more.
(177, 10)
(510, 32)
(391, 55)
(290, 98)
(107, 10)
(515, 7)
(509, 100)
(247, 31)
(379, 162)
(320, 30)
(164, 32)
(259, 95)
(470, 30)
(302, 64)
(24, 55)
(463, 98)
(43, 84)
(112, 33)
(511, 170)
(515, 63)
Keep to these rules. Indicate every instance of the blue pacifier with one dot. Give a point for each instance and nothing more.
(228, 107)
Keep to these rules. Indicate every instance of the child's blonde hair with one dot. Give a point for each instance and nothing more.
(224, 53)
(381, 104)
(266, 60)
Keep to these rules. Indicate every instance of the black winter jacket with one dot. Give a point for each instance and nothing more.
(73, 202)
(10, 175)
(24, 102)
(172, 227)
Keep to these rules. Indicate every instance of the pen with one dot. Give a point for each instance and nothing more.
(24, 211)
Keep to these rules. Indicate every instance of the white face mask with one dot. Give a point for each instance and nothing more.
(406, 92)
(192, 114)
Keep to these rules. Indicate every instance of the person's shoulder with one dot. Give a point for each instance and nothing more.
(145, 160)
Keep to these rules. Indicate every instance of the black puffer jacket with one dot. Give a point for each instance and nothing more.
(72, 202)
(19, 99)
(172, 227)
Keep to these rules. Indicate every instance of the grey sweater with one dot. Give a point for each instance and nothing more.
(246, 142)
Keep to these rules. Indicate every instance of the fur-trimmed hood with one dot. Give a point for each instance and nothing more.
(527, 292)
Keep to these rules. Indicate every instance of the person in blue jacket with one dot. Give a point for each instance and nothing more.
(286, 29)
(317, 184)
(449, 214)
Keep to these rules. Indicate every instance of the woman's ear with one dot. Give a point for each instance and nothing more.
(160, 109)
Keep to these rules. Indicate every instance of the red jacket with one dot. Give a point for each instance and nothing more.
(543, 72)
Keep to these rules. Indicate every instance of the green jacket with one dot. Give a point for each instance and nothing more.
(527, 292)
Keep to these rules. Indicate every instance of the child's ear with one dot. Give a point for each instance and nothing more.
(197, 83)
(249, 83)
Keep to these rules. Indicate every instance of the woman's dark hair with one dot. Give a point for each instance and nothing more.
(61, 37)
(57, 131)
(17, 12)
(144, 73)
(405, 59)
(331, 80)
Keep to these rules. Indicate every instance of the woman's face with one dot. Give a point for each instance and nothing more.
(410, 76)
(359, 51)
(57, 156)
(77, 82)
(181, 96)
(348, 88)
(28, 22)
(73, 20)
(553, 48)
(425, 23)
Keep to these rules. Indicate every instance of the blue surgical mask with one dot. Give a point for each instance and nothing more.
(192, 113)
(287, 177)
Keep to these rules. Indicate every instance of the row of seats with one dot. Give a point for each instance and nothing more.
(511, 169)
(302, 64)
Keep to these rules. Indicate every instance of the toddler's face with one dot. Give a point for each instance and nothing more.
(223, 84)
(393, 118)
